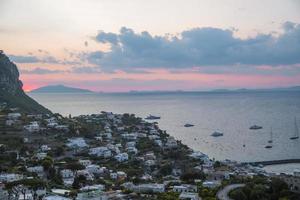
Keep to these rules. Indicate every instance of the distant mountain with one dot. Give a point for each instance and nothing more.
(294, 88)
(59, 89)
(11, 92)
(241, 90)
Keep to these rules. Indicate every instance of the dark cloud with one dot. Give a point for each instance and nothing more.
(107, 37)
(86, 70)
(196, 47)
(42, 59)
(24, 59)
(33, 59)
(41, 71)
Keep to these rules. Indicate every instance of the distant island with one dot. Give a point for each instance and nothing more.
(293, 88)
(283, 89)
(59, 89)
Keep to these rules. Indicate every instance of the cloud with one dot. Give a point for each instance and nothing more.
(24, 59)
(41, 59)
(85, 70)
(196, 47)
(41, 71)
(107, 37)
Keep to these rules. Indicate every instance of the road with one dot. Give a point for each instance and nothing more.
(223, 194)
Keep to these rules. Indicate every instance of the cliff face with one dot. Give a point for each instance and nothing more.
(9, 76)
(11, 91)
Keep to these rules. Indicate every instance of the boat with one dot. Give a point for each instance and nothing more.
(296, 136)
(217, 134)
(271, 137)
(189, 125)
(268, 146)
(152, 117)
(255, 127)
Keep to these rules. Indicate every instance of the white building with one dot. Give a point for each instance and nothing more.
(130, 144)
(76, 143)
(113, 175)
(55, 197)
(41, 155)
(189, 196)
(45, 148)
(62, 128)
(85, 162)
(95, 169)
(85, 173)
(149, 163)
(132, 150)
(129, 136)
(66, 173)
(292, 180)
(171, 142)
(10, 122)
(10, 177)
(32, 127)
(148, 188)
(13, 116)
(211, 184)
(185, 188)
(158, 142)
(36, 169)
(121, 175)
(101, 152)
(121, 157)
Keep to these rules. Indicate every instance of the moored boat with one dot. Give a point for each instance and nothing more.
(152, 117)
(255, 127)
(189, 125)
(217, 134)
(296, 134)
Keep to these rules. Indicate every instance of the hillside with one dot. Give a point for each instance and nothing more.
(59, 89)
(11, 91)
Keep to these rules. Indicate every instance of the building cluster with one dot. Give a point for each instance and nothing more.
(106, 156)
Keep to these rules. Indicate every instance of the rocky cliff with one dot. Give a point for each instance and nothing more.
(11, 91)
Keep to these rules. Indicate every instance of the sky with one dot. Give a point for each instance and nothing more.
(124, 45)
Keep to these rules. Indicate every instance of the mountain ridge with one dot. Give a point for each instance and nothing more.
(11, 91)
(59, 89)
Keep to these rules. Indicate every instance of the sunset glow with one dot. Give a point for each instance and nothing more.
(103, 45)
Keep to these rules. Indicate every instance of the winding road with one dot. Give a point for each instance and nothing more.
(223, 194)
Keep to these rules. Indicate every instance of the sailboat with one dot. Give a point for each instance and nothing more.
(296, 136)
(269, 146)
(271, 136)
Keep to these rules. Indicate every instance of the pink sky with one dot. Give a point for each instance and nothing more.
(128, 45)
(158, 81)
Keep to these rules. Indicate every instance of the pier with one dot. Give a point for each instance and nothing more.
(274, 162)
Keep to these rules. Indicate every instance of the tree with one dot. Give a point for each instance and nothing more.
(78, 181)
(217, 164)
(238, 194)
(278, 185)
(166, 169)
(192, 175)
(168, 196)
(47, 163)
(59, 151)
(75, 166)
(258, 193)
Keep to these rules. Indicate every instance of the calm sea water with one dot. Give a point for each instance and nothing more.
(230, 113)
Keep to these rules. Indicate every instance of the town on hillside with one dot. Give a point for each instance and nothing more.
(118, 156)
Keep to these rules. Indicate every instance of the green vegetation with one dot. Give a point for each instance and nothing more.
(23, 102)
(260, 188)
(168, 196)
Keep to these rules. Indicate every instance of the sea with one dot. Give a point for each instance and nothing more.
(231, 113)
